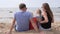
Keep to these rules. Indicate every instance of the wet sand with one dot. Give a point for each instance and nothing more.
(4, 27)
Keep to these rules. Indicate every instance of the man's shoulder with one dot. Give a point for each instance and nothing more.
(17, 13)
(28, 12)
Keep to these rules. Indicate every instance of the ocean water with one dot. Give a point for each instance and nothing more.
(6, 14)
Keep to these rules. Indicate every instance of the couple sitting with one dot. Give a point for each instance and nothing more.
(23, 18)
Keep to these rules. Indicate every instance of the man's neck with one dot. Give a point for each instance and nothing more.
(22, 11)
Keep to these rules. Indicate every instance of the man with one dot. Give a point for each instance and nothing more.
(22, 19)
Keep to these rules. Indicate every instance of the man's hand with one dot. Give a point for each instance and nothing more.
(10, 31)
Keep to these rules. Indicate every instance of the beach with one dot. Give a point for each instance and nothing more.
(7, 14)
(4, 27)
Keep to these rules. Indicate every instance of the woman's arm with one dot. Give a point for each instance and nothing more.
(34, 25)
(45, 18)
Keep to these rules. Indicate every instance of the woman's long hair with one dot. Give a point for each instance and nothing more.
(48, 10)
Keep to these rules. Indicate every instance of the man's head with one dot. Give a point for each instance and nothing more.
(22, 7)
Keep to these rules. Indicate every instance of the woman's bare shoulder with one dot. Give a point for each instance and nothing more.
(44, 13)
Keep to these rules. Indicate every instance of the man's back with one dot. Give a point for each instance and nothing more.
(22, 19)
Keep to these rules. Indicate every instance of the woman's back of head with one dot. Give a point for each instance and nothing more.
(48, 10)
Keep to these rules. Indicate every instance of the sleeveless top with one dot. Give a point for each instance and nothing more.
(48, 24)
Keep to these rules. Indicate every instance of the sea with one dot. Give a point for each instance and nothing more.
(7, 14)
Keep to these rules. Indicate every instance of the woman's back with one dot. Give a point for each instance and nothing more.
(48, 24)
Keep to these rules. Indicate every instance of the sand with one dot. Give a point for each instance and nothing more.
(4, 27)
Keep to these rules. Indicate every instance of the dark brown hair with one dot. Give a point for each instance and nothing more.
(39, 11)
(22, 5)
(48, 10)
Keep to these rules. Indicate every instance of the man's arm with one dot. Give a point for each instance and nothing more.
(13, 23)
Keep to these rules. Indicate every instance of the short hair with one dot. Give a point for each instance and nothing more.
(22, 5)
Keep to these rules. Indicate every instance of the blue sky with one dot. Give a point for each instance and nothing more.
(29, 3)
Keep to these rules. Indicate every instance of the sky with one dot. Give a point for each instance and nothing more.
(29, 3)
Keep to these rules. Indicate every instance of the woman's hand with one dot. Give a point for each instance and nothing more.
(9, 32)
(42, 32)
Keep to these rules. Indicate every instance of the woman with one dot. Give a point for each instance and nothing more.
(47, 17)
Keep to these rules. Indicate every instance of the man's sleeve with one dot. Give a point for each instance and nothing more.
(30, 16)
(14, 16)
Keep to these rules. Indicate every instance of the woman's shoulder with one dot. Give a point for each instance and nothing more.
(44, 13)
